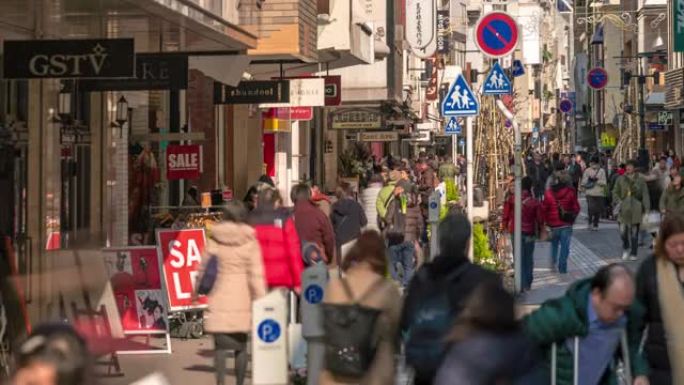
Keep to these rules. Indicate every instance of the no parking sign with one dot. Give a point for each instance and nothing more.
(496, 34)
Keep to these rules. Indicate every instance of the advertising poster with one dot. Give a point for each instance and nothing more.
(181, 255)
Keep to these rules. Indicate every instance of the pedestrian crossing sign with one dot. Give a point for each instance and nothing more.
(497, 83)
(460, 100)
(452, 127)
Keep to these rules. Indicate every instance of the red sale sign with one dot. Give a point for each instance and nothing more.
(183, 161)
(181, 255)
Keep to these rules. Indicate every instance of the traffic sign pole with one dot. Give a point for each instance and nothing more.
(469, 178)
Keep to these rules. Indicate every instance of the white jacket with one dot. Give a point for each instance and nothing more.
(368, 198)
(599, 189)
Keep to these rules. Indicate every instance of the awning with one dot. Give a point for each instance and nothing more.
(655, 99)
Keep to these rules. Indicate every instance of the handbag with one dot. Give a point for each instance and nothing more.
(206, 283)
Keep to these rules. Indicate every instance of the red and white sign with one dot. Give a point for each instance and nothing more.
(496, 34)
(183, 161)
(294, 113)
(181, 254)
(333, 90)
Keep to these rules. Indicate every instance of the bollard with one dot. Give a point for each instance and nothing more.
(314, 282)
(269, 345)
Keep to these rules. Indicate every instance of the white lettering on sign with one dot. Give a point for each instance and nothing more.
(184, 161)
(60, 65)
(191, 256)
(680, 15)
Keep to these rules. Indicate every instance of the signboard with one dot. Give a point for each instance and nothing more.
(656, 126)
(431, 91)
(333, 90)
(356, 120)
(460, 100)
(421, 23)
(496, 34)
(678, 25)
(252, 92)
(82, 58)
(294, 113)
(378, 136)
(183, 161)
(443, 31)
(665, 117)
(608, 140)
(453, 127)
(517, 69)
(565, 106)
(496, 82)
(181, 254)
(309, 92)
(597, 78)
(153, 71)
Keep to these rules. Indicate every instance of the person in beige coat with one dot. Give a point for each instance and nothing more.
(365, 264)
(240, 280)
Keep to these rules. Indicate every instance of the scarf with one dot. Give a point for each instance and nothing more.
(671, 298)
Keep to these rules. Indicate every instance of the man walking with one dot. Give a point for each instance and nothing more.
(631, 194)
(539, 174)
(594, 322)
(594, 183)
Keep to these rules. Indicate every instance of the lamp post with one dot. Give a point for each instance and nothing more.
(121, 117)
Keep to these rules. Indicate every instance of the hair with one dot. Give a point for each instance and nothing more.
(235, 211)
(344, 189)
(453, 234)
(268, 197)
(671, 225)
(605, 276)
(267, 180)
(489, 308)
(60, 346)
(559, 167)
(376, 178)
(300, 192)
(663, 158)
(594, 159)
(632, 163)
(369, 248)
(527, 183)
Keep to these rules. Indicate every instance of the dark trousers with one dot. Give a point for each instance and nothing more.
(595, 208)
(630, 238)
(223, 343)
(527, 260)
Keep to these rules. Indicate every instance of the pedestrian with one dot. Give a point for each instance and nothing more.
(672, 200)
(631, 196)
(321, 200)
(594, 185)
(532, 228)
(661, 174)
(659, 289)
(436, 295)
(192, 197)
(487, 344)
(385, 196)
(591, 325)
(404, 226)
(281, 250)
(364, 284)
(348, 218)
(312, 224)
(448, 170)
(239, 281)
(54, 354)
(539, 174)
(368, 199)
(560, 208)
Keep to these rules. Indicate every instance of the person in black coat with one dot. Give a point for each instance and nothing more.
(539, 174)
(660, 279)
(347, 216)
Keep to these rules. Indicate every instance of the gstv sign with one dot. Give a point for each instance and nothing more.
(496, 34)
(181, 254)
(597, 78)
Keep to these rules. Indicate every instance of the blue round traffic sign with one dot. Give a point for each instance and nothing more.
(268, 331)
(496, 34)
(565, 106)
(597, 78)
(313, 294)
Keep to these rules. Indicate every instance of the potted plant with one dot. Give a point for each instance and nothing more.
(354, 163)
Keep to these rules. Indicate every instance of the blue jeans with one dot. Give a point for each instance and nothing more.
(561, 237)
(527, 261)
(402, 254)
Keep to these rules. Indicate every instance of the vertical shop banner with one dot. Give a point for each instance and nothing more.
(432, 91)
(181, 254)
(183, 161)
(678, 25)
(135, 276)
(443, 31)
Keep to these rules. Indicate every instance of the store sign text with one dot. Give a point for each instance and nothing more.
(183, 161)
(356, 120)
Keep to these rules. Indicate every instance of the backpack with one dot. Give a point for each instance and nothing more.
(563, 214)
(350, 334)
(432, 319)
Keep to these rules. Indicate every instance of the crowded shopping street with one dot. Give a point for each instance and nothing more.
(331, 192)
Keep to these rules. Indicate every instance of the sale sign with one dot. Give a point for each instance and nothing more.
(183, 161)
(181, 255)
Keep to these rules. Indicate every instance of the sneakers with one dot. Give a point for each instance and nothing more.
(625, 255)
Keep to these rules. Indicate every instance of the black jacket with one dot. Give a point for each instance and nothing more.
(348, 218)
(539, 174)
(655, 348)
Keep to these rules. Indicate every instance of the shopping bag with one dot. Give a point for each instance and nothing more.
(651, 221)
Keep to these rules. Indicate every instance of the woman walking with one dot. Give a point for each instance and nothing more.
(239, 281)
(560, 211)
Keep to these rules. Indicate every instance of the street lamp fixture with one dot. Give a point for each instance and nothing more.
(121, 117)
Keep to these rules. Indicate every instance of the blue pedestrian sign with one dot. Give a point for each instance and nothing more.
(460, 100)
(452, 127)
(313, 294)
(268, 331)
(517, 69)
(497, 83)
(461, 142)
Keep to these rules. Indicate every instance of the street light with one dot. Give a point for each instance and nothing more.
(121, 117)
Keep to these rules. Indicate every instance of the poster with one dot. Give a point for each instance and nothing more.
(134, 273)
(181, 254)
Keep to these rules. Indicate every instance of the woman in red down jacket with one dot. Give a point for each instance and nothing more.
(280, 245)
(560, 211)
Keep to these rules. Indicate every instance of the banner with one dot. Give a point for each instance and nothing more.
(183, 161)
(181, 254)
(134, 273)
(678, 25)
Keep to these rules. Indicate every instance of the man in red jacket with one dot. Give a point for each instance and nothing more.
(312, 225)
(561, 208)
(277, 236)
